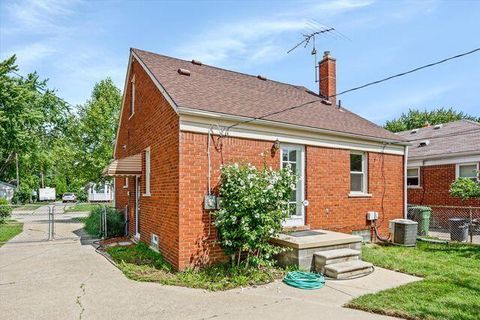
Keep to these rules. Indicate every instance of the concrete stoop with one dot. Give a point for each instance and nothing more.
(341, 263)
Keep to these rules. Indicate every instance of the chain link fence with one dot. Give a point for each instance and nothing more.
(59, 221)
(451, 223)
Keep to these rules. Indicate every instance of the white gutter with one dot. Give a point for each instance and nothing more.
(405, 162)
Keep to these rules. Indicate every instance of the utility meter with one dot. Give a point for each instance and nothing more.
(210, 202)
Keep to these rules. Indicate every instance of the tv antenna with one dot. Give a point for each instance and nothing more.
(309, 38)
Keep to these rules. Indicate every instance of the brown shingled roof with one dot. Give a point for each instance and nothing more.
(222, 91)
(462, 136)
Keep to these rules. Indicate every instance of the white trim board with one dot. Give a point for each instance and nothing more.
(222, 119)
(285, 135)
(450, 160)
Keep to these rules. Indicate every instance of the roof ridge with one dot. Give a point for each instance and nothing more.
(300, 87)
(443, 123)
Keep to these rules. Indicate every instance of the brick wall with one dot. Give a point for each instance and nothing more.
(327, 187)
(153, 125)
(434, 187)
(197, 235)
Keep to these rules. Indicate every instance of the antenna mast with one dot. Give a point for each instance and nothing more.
(310, 38)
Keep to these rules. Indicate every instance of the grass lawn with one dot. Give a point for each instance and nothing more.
(31, 206)
(82, 207)
(9, 229)
(450, 290)
(140, 263)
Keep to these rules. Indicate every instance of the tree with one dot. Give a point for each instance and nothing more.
(31, 118)
(417, 119)
(96, 129)
(54, 146)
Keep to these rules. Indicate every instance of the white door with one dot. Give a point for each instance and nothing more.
(295, 156)
(137, 207)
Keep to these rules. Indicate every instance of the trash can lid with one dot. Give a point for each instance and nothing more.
(404, 221)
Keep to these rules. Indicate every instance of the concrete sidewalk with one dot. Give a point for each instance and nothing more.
(65, 280)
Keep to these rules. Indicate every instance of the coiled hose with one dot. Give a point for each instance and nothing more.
(304, 280)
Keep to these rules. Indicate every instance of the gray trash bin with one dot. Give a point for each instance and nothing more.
(458, 229)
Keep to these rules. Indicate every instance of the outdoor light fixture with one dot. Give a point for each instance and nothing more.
(275, 146)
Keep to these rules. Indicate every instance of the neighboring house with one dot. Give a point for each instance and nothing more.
(100, 192)
(6, 190)
(163, 155)
(440, 154)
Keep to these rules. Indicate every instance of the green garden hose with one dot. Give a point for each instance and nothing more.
(304, 280)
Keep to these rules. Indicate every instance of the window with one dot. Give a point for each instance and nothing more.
(125, 182)
(358, 172)
(147, 172)
(132, 96)
(467, 170)
(413, 177)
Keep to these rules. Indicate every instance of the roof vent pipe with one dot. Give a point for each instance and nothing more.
(197, 62)
(262, 77)
(184, 72)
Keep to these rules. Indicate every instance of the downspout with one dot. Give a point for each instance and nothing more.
(405, 156)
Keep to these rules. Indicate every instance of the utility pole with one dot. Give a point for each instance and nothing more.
(18, 176)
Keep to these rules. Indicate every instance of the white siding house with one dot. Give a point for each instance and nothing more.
(6, 190)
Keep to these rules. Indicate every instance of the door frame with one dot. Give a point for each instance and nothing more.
(137, 207)
(297, 221)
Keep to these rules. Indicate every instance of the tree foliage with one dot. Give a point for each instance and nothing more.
(61, 147)
(417, 118)
(254, 204)
(95, 133)
(465, 189)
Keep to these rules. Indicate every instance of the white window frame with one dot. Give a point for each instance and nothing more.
(458, 165)
(418, 175)
(132, 97)
(148, 174)
(364, 171)
(125, 182)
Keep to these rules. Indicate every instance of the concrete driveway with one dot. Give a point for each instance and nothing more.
(64, 279)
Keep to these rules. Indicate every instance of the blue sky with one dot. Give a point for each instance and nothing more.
(77, 43)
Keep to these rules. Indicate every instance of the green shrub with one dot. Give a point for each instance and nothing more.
(465, 188)
(254, 204)
(22, 195)
(5, 210)
(82, 195)
(115, 223)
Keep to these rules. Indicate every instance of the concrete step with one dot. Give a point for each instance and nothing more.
(348, 269)
(324, 258)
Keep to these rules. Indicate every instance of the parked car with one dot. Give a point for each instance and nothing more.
(69, 197)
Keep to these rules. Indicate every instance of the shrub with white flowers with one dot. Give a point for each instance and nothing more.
(254, 204)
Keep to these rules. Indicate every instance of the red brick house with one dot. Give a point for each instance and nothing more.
(347, 165)
(439, 154)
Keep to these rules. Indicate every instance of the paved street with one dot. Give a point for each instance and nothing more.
(64, 279)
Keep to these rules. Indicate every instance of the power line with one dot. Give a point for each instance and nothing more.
(357, 88)
(408, 72)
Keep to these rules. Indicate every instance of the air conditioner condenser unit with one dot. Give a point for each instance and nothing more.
(404, 232)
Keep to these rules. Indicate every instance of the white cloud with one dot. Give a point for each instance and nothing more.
(253, 41)
(29, 55)
(40, 16)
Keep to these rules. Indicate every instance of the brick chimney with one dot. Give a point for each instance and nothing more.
(328, 77)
